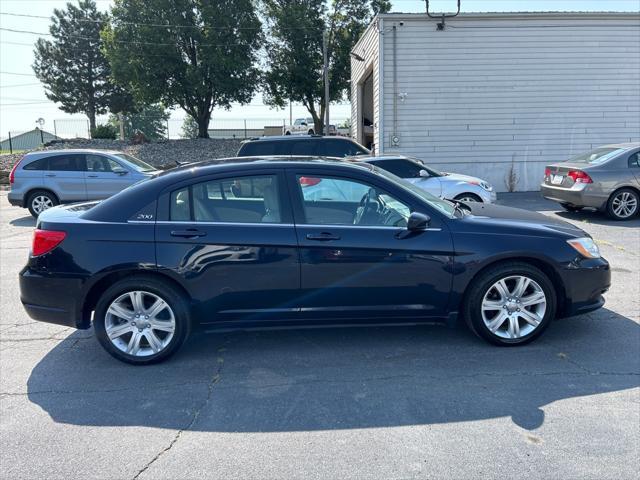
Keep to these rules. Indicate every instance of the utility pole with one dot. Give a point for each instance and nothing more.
(121, 124)
(325, 53)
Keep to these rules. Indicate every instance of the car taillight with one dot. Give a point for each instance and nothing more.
(579, 176)
(547, 172)
(12, 175)
(309, 181)
(45, 240)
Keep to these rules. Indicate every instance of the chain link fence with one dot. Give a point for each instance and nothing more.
(152, 127)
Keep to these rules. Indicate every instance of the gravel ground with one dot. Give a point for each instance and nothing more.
(406, 402)
(157, 153)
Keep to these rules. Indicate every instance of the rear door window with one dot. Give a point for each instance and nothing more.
(400, 168)
(40, 164)
(634, 160)
(67, 163)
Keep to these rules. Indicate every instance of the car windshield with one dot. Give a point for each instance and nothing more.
(432, 171)
(136, 162)
(438, 203)
(597, 156)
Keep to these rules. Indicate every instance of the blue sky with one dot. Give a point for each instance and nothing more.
(22, 99)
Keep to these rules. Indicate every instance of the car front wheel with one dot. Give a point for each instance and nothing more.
(510, 304)
(623, 204)
(141, 320)
(468, 198)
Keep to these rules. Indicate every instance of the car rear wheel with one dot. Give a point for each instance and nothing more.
(141, 320)
(510, 304)
(571, 208)
(623, 204)
(41, 200)
(468, 198)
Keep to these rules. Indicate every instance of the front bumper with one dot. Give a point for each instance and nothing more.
(579, 195)
(585, 282)
(52, 299)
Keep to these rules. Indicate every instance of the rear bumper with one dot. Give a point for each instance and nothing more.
(585, 283)
(578, 195)
(52, 299)
(15, 199)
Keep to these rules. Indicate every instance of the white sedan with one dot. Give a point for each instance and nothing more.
(451, 186)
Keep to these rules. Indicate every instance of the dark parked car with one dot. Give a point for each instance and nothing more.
(244, 243)
(606, 178)
(312, 145)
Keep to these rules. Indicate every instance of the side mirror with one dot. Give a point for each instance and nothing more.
(423, 174)
(418, 222)
(119, 171)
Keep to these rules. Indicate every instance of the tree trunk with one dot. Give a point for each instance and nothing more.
(91, 114)
(203, 124)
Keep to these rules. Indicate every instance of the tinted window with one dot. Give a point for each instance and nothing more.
(634, 160)
(254, 199)
(335, 147)
(251, 149)
(401, 168)
(67, 163)
(40, 164)
(597, 156)
(340, 201)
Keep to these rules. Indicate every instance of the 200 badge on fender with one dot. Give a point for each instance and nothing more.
(273, 242)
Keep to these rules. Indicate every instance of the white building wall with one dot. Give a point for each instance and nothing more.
(367, 48)
(492, 93)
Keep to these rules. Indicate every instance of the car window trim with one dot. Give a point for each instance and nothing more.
(164, 197)
(299, 217)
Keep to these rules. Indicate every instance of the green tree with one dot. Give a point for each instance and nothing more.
(189, 128)
(194, 54)
(294, 49)
(150, 120)
(71, 65)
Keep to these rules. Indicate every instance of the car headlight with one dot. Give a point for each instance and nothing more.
(585, 247)
(486, 186)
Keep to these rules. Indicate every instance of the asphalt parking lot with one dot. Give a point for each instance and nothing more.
(406, 402)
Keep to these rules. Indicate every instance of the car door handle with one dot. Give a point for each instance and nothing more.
(189, 233)
(92, 176)
(322, 237)
(49, 174)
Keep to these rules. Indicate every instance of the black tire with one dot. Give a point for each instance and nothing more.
(310, 132)
(611, 207)
(571, 208)
(39, 194)
(481, 285)
(475, 197)
(176, 301)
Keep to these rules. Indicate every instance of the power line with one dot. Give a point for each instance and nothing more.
(16, 73)
(20, 85)
(128, 42)
(160, 25)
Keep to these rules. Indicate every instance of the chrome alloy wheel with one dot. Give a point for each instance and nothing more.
(41, 203)
(624, 204)
(140, 323)
(513, 307)
(467, 199)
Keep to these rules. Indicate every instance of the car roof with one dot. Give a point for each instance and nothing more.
(249, 163)
(44, 153)
(626, 146)
(290, 138)
(375, 158)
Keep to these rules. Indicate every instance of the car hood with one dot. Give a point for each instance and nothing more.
(458, 178)
(486, 214)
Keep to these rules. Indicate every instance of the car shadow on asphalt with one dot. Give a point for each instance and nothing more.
(26, 221)
(300, 380)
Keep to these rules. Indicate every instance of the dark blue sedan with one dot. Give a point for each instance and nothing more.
(273, 242)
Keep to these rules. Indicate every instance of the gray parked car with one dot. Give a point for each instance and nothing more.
(41, 180)
(451, 186)
(607, 178)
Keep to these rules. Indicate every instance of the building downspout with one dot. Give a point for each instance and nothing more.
(380, 143)
(395, 83)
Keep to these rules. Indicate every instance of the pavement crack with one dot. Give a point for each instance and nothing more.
(214, 380)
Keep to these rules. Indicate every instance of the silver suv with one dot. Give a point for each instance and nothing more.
(44, 179)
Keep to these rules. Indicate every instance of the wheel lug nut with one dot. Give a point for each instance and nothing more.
(146, 316)
(133, 324)
(140, 330)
